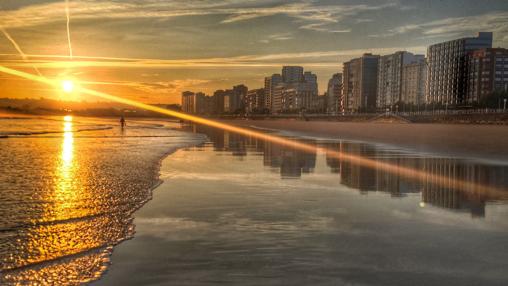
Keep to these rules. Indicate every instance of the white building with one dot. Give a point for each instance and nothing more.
(414, 77)
(334, 94)
(390, 77)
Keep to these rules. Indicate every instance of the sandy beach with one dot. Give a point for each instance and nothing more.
(488, 142)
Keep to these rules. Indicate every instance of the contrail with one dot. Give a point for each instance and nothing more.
(18, 48)
(467, 187)
(68, 27)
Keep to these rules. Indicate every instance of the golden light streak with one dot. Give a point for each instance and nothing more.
(68, 14)
(18, 48)
(461, 185)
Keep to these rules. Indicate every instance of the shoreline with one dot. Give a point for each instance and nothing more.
(142, 170)
(157, 182)
(477, 142)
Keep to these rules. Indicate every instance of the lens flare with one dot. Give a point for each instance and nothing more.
(467, 187)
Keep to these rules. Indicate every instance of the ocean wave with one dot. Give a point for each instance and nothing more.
(31, 133)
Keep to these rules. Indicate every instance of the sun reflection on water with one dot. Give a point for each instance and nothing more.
(67, 145)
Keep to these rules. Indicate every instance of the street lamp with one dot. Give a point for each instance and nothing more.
(504, 105)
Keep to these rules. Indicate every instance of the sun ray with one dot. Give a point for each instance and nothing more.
(461, 185)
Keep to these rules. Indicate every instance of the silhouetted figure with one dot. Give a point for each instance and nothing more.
(122, 122)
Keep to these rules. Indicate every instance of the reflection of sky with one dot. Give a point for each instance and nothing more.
(219, 218)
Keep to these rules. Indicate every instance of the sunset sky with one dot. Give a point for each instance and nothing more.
(153, 50)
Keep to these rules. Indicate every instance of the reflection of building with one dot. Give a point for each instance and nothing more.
(447, 69)
(438, 194)
(447, 195)
(356, 176)
(360, 83)
(439, 188)
(332, 161)
(291, 162)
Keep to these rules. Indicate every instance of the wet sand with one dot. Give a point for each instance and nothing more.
(240, 211)
(68, 188)
(488, 142)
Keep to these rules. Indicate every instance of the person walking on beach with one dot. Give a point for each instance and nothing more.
(122, 122)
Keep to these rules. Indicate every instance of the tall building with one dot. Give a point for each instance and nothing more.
(188, 98)
(277, 98)
(307, 91)
(487, 73)
(240, 92)
(390, 77)
(195, 103)
(202, 103)
(414, 77)
(270, 83)
(290, 100)
(293, 91)
(255, 101)
(292, 74)
(310, 82)
(234, 99)
(360, 83)
(218, 96)
(334, 94)
(447, 69)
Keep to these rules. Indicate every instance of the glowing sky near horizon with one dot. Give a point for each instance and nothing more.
(153, 50)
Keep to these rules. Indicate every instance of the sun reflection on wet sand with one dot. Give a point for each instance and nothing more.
(65, 192)
(75, 198)
(68, 230)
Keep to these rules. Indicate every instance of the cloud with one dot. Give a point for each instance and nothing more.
(167, 87)
(496, 22)
(316, 58)
(320, 28)
(277, 37)
(315, 17)
(363, 20)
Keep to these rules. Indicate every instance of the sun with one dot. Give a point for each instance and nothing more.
(68, 86)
